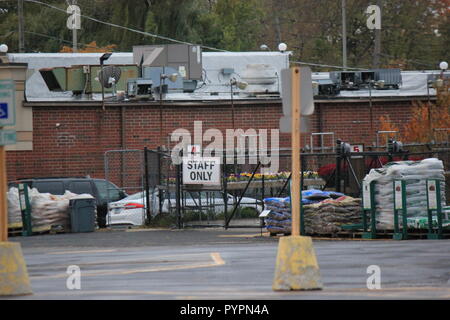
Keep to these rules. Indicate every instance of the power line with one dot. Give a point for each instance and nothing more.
(59, 39)
(170, 39)
(325, 65)
(417, 62)
(125, 28)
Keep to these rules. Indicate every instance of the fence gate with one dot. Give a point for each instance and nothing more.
(125, 168)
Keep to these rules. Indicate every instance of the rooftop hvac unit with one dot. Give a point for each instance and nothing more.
(261, 78)
(185, 59)
(139, 89)
(391, 78)
(381, 79)
(346, 80)
(325, 87)
(81, 78)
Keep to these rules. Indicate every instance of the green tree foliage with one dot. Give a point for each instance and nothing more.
(240, 22)
(415, 34)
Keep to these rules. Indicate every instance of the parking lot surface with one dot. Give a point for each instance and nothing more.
(225, 264)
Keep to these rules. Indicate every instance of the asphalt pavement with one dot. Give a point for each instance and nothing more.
(225, 264)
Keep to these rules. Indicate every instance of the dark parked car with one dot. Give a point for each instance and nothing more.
(102, 190)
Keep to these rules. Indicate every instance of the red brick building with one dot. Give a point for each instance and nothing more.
(70, 139)
(62, 135)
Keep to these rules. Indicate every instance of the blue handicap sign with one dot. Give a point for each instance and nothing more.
(3, 111)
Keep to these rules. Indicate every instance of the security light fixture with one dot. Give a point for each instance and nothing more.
(172, 77)
(105, 57)
(282, 47)
(443, 65)
(3, 48)
(239, 84)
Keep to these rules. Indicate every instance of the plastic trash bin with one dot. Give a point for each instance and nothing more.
(82, 215)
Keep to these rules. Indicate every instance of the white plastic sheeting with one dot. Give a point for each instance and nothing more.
(46, 209)
(216, 85)
(414, 84)
(415, 173)
(213, 62)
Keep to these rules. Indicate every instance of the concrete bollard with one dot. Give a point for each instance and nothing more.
(296, 267)
(13, 271)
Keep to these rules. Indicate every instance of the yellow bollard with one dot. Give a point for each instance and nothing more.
(13, 271)
(296, 267)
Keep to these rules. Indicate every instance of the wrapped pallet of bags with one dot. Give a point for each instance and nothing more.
(330, 215)
(324, 212)
(47, 211)
(53, 210)
(279, 218)
(415, 173)
(14, 213)
(50, 210)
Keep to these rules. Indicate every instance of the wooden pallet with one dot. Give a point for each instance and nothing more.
(15, 231)
(358, 234)
(274, 234)
(382, 234)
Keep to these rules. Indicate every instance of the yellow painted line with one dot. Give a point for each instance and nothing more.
(392, 289)
(217, 261)
(227, 292)
(253, 235)
(349, 239)
(82, 251)
(146, 230)
(102, 292)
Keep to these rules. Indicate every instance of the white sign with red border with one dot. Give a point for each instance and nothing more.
(201, 170)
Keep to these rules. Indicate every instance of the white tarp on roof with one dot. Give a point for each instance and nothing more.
(213, 63)
(215, 85)
(414, 84)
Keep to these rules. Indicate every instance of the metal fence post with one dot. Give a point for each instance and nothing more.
(147, 187)
(178, 195)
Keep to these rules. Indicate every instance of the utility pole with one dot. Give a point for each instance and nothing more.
(73, 22)
(377, 50)
(21, 26)
(75, 34)
(75, 40)
(344, 33)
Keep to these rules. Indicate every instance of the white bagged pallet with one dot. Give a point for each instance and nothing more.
(415, 173)
(46, 209)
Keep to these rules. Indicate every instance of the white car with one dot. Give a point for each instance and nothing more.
(131, 210)
(128, 211)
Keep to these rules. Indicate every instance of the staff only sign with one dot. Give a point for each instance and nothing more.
(201, 170)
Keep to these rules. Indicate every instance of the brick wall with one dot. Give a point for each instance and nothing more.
(77, 146)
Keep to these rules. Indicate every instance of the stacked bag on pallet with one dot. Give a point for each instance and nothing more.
(324, 212)
(328, 216)
(279, 218)
(415, 173)
(48, 211)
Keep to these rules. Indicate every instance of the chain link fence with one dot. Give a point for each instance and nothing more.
(238, 200)
(125, 169)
